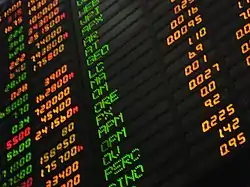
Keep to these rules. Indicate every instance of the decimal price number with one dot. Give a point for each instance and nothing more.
(230, 127)
(243, 32)
(19, 91)
(245, 48)
(55, 100)
(201, 78)
(171, 39)
(182, 6)
(206, 90)
(234, 142)
(196, 64)
(221, 116)
(215, 100)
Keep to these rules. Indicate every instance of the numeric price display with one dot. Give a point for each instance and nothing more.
(124, 93)
(43, 115)
(56, 103)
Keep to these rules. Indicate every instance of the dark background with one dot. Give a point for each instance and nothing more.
(163, 118)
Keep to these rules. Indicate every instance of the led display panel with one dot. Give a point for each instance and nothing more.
(124, 93)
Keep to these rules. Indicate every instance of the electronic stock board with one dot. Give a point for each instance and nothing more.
(116, 93)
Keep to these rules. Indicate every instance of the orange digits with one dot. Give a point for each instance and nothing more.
(241, 138)
(56, 108)
(208, 89)
(192, 11)
(198, 35)
(230, 127)
(68, 129)
(191, 68)
(246, 14)
(19, 91)
(72, 182)
(57, 74)
(233, 142)
(245, 47)
(221, 116)
(184, 3)
(198, 80)
(62, 94)
(212, 102)
(224, 150)
(248, 60)
(175, 23)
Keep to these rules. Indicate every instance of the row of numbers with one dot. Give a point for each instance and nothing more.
(20, 141)
(56, 109)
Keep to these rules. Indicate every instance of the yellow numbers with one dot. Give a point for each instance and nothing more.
(59, 147)
(192, 11)
(198, 48)
(175, 23)
(50, 167)
(182, 31)
(68, 154)
(191, 68)
(72, 182)
(245, 47)
(198, 35)
(55, 75)
(68, 129)
(233, 142)
(212, 102)
(184, 3)
(48, 155)
(221, 116)
(208, 89)
(61, 95)
(196, 82)
(230, 127)
(245, 15)
(63, 174)
(243, 32)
